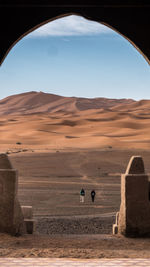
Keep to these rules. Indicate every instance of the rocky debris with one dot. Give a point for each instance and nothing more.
(74, 225)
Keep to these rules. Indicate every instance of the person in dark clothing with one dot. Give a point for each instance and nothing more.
(82, 195)
(93, 195)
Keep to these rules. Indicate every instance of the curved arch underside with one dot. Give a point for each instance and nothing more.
(128, 17)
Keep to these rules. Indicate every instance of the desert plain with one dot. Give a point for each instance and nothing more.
(59, 145)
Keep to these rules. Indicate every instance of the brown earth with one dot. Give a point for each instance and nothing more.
(74, 246)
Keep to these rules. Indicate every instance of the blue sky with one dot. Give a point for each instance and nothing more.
(72, 56)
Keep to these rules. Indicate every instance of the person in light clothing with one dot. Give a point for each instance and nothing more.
(82, 195)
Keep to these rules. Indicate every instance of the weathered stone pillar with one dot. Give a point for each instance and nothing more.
(28, 218)
(11, 217)
(134, 214)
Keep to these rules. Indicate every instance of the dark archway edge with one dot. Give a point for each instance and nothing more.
(131, 18)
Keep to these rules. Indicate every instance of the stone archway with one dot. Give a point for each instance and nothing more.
(129, 18)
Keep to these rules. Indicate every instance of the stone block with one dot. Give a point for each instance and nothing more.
(30, 225)
(11, 217)
(27, 212)
(5, 162)
(115, 229)
(117, 218)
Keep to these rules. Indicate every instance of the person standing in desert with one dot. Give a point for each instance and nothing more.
(93, 195)
(82, 195)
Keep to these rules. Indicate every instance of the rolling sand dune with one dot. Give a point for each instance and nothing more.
(38, 102)
(47, 121)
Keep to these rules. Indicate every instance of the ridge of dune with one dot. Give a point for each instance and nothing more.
(39, 102)
(134, 106)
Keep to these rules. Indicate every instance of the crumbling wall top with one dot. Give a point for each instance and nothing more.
(135, 166)
(5, 162)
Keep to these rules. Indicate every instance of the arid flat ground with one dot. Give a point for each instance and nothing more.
(51, 183)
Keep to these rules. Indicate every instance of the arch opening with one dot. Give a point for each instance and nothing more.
(84, 16)
(67, 122)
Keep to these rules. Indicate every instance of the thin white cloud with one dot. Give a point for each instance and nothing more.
(70, 26)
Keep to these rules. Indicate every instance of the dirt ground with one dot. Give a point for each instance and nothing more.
(74, 246)
(51, 183)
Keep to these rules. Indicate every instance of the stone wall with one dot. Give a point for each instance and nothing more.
(134, 215)
(11, 217)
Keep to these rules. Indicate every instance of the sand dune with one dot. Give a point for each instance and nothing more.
(45, 121)
(39, 102)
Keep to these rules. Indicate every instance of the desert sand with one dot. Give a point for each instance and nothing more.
(45, 121)
(59, 145)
